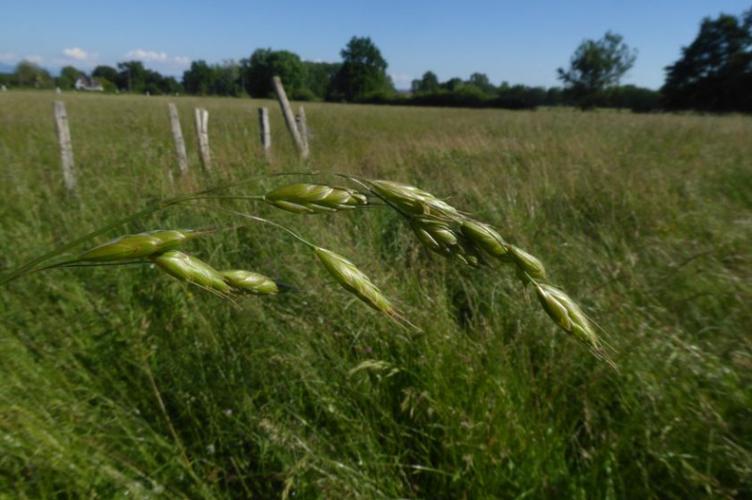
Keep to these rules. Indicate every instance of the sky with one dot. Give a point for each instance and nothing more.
(513, 41)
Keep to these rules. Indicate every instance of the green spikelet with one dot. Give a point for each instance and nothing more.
(566, 314)
(315, 198)
(435, 235)
(485, 238)
(135, 246)
(250, 282)
(192, 270)
(354, 280)
(411, 200)
(527, 264)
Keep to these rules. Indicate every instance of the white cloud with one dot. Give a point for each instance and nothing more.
(76, 53)
(182, 60)
(147, 55)
(34, 59)
(8, 57)
(160, 59)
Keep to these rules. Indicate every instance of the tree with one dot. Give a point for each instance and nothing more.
(319, 77)
(363, 72)
(68, 77)
(105, 72)
(267, 63)
(198, 79)
(107, 76)
(428, 84)
(131, 76)
(227, 80)
(452, 84)
(595, 66)
(714, 72)
(482, 81)
(28, 74)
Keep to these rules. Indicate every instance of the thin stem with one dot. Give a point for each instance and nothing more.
(278, 226)
(239, 197)
(75, 263)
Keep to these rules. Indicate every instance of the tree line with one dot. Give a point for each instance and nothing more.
(714, 73)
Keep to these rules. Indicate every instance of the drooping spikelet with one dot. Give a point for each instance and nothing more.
(485, 238)
(134, 246)
(566, 314)
(527, 264)
(410, 200)
(250, 282)
(354, 280)
(444, 238)
(436, 235)
(192, 270)
(315, 198)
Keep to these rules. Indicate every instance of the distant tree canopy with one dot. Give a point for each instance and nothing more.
(429, 83)
(105, 73)
(595, 66)
(214, 79)
(134, 77)
(29, 74)
(362, 75)
(714, 72)
(68, 77)
(319, 78)
(266, 63)
(481, 81)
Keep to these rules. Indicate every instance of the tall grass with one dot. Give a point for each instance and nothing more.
(123, 381)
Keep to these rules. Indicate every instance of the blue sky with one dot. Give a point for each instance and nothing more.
(520, 42)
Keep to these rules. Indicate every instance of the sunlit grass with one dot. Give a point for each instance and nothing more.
(121, 380)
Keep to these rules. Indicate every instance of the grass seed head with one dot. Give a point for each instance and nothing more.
(250, 282)
(354, 280)
(485, 238)
(192, 270)
(315, 198)
(444, 238)
(171, 238)
(411, 200)
(134, 246)
(527, 264)
(566, 314)
(129, 246)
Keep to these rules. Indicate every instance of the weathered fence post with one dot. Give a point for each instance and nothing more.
(202, 132)
(58, 91)
(3, 88)
(177, 136)
(300, 120)
(66, 148)
(266, 133)
(289, 118)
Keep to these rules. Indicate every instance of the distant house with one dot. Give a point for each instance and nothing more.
(89, 84)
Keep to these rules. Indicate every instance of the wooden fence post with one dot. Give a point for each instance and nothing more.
(177, 136)
(300, 120)
(66, 148)
(289, 118)
(266, 133)
(202, 132)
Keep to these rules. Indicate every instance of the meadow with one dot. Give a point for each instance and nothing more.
(120, 381)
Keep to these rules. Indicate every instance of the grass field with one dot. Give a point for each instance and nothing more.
(119, 381)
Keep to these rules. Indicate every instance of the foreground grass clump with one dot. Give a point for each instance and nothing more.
(123, 380)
